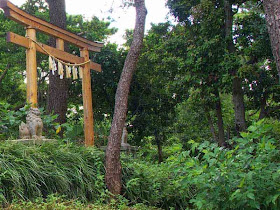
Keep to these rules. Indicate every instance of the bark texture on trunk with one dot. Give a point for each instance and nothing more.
(158, 142)
(228, 25)
(113, 165)
(211, 125)
(221, 131)
(238, 102)
(272, 15)
(58, 88)
(264, 111)
(3, 75)
(237, 91)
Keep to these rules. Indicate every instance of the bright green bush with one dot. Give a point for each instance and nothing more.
(245, 177)
(208, 177)
(28, 172)
(154, 185)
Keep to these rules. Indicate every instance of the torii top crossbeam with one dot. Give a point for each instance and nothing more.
(18, 15)
(32, 24)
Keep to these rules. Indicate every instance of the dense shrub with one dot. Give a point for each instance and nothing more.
(155, 185)
(28, 172)
(208, 177)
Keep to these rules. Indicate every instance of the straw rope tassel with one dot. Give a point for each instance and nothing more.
(81, 72)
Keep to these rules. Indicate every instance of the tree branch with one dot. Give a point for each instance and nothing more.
(4, 73)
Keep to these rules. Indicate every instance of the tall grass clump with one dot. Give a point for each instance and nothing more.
(28, 172)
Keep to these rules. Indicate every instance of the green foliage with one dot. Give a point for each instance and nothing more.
(11, 58)
(95, 29)
(155, 92)
(28, 172)
(246, 176)
(102, 131)
(155, 185)
(11, 119)
(61, 203)
(191, 121)
(208, 177)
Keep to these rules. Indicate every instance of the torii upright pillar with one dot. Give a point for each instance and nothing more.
(31, 69)
(87, 101)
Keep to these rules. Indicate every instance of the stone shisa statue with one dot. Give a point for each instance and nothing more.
(33, 127)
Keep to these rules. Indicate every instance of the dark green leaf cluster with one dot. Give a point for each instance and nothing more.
(210, 177)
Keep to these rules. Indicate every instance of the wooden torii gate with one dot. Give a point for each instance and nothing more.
(29, 42)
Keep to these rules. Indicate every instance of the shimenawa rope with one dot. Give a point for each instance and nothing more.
(53, 67)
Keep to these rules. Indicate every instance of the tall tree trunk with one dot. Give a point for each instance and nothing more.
(58, 88)
(237, 91)
(221, 131)
(239, 108)
(263, 112)
(158, 142)
(228, 133)
(113, 165)
(211, 124)
(272, 15)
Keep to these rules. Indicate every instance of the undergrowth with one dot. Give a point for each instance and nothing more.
(60, 203)
(28, 172)
(245, 176)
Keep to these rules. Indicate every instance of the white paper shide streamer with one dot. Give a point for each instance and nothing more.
(81, 72)
(57, 64)
(68, 71)
(75, 69)
(60, 70)
(75, 73)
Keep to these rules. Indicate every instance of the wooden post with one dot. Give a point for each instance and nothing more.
(60, 44)
(31, 69)
(87, 101)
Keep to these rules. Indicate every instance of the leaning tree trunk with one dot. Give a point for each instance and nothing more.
(237, 91)
(272, 15)
(113, 165)
(58, 88)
